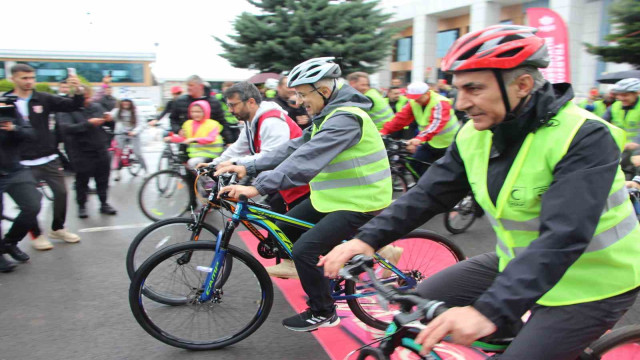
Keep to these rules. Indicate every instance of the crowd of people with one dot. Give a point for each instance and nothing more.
(313, 144)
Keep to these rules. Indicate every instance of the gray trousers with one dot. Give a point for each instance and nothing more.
(552, 332)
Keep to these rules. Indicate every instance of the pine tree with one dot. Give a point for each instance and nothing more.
(291, 31)
(625, 14)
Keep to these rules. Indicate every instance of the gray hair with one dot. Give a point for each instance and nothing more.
(195, 79)
(326, 82)
(245, 91)
(510, 75)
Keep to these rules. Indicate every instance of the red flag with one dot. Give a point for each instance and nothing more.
(554, 31)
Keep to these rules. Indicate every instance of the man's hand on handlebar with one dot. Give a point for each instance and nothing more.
(412, 145)
(235, 191)
(342, 253)
(238, 169)
(224, 164)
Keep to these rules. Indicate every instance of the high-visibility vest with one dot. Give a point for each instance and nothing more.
(228, 116)
(380, 112)
(609, 266)
(359, 178)
(211, 151)
(423, 116)
(599, 107)
(628, 120)
(402, 101)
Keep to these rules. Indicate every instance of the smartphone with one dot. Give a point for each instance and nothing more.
(71, 71)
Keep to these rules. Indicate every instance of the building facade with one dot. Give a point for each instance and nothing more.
(426, 30)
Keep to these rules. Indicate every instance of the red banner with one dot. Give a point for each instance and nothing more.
(554, 31)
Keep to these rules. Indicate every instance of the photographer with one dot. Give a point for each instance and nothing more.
(17, 181)
(40, 154)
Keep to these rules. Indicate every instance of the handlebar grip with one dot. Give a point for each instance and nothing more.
(243, 198)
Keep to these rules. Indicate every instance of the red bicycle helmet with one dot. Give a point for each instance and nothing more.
(497, 47)
(176, 90)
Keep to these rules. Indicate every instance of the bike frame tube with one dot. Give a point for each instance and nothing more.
(216, 265)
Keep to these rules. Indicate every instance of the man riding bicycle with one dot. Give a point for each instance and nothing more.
(547, 174)
(343, 159)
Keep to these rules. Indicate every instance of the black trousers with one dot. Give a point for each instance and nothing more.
(97, 166)
(280, 206)
(330, 230)
(53, 174)
(551, 333)
(426, 153)
(21, 186)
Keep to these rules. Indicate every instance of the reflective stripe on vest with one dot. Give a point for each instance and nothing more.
(359, 178)
(609, 265)
(212, 150)
(423, 117)
(380, 112)
(228, 116)
(628, 120)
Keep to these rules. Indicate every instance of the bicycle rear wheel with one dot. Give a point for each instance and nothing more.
(418, 255)
(235, 311)
(135, 166)
(399, 183)
(160, 235)
(460, 218)
(46, 190)
(622, 343)
(164, 195)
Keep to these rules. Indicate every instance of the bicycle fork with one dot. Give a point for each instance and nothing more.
(215, 276)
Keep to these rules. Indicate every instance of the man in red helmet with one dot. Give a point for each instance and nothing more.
(547, 174)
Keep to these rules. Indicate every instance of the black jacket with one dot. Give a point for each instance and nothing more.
(108, 102)
(10, 142)
(180, 113)
(571, 207)
(292, 112)
(41, 106)
(84, 139)
(167, 109)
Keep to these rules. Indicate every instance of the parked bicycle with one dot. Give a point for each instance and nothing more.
(230, 291)
(404, 177)
(416, 312)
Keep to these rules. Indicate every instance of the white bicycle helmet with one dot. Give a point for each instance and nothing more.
(627, 86)
(313, 70)
(271, 84)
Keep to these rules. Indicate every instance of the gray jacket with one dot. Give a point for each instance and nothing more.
(300, 160)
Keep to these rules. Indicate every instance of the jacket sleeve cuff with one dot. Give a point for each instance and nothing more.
(369, 239)
(250, 166)
(260, 189)
(490, 311)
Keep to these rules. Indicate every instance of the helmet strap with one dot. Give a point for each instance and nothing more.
(324, 98)
(510, 114)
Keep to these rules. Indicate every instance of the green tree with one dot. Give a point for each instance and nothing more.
(44, 87)
(291, 31)
(5, 85)
(625, 15)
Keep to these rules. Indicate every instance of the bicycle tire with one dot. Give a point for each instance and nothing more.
(457, 222)
(371, 353)
(366, 308)
(135, 166)
(141, 307)
(171, 209)
(610, 343)
(46, 191)
(399, 183)
(144, 235)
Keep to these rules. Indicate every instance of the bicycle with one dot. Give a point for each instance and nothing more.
(202, 275)
(123, 155)
(456, 220)
(167, 193)
(401, 333)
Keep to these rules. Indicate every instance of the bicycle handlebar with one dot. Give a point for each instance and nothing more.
(425, 309)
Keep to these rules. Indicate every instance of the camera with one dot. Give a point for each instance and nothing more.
(8, 110)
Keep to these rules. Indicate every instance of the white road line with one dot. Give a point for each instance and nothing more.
(116, 227)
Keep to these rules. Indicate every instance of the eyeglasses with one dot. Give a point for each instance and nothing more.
(303, 96)
(233, 105)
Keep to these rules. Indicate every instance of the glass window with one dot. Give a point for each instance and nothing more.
(403, 49)
(2, 72)
(444, 41)
(93, 72)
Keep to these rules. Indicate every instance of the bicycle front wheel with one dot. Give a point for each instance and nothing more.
(135, 166)
(460, 218)
(162, 234)
(235, 311)
(417, 256)
(164, 195)
(622, 343)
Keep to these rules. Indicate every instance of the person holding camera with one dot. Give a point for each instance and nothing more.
(40, 154)
(16, 180)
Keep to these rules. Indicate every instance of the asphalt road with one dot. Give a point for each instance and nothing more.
(71, 302)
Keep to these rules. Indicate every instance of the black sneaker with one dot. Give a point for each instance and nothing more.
(14, 251)
(308, 321)
(6, 265)
(107, 209)
(82, 212)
